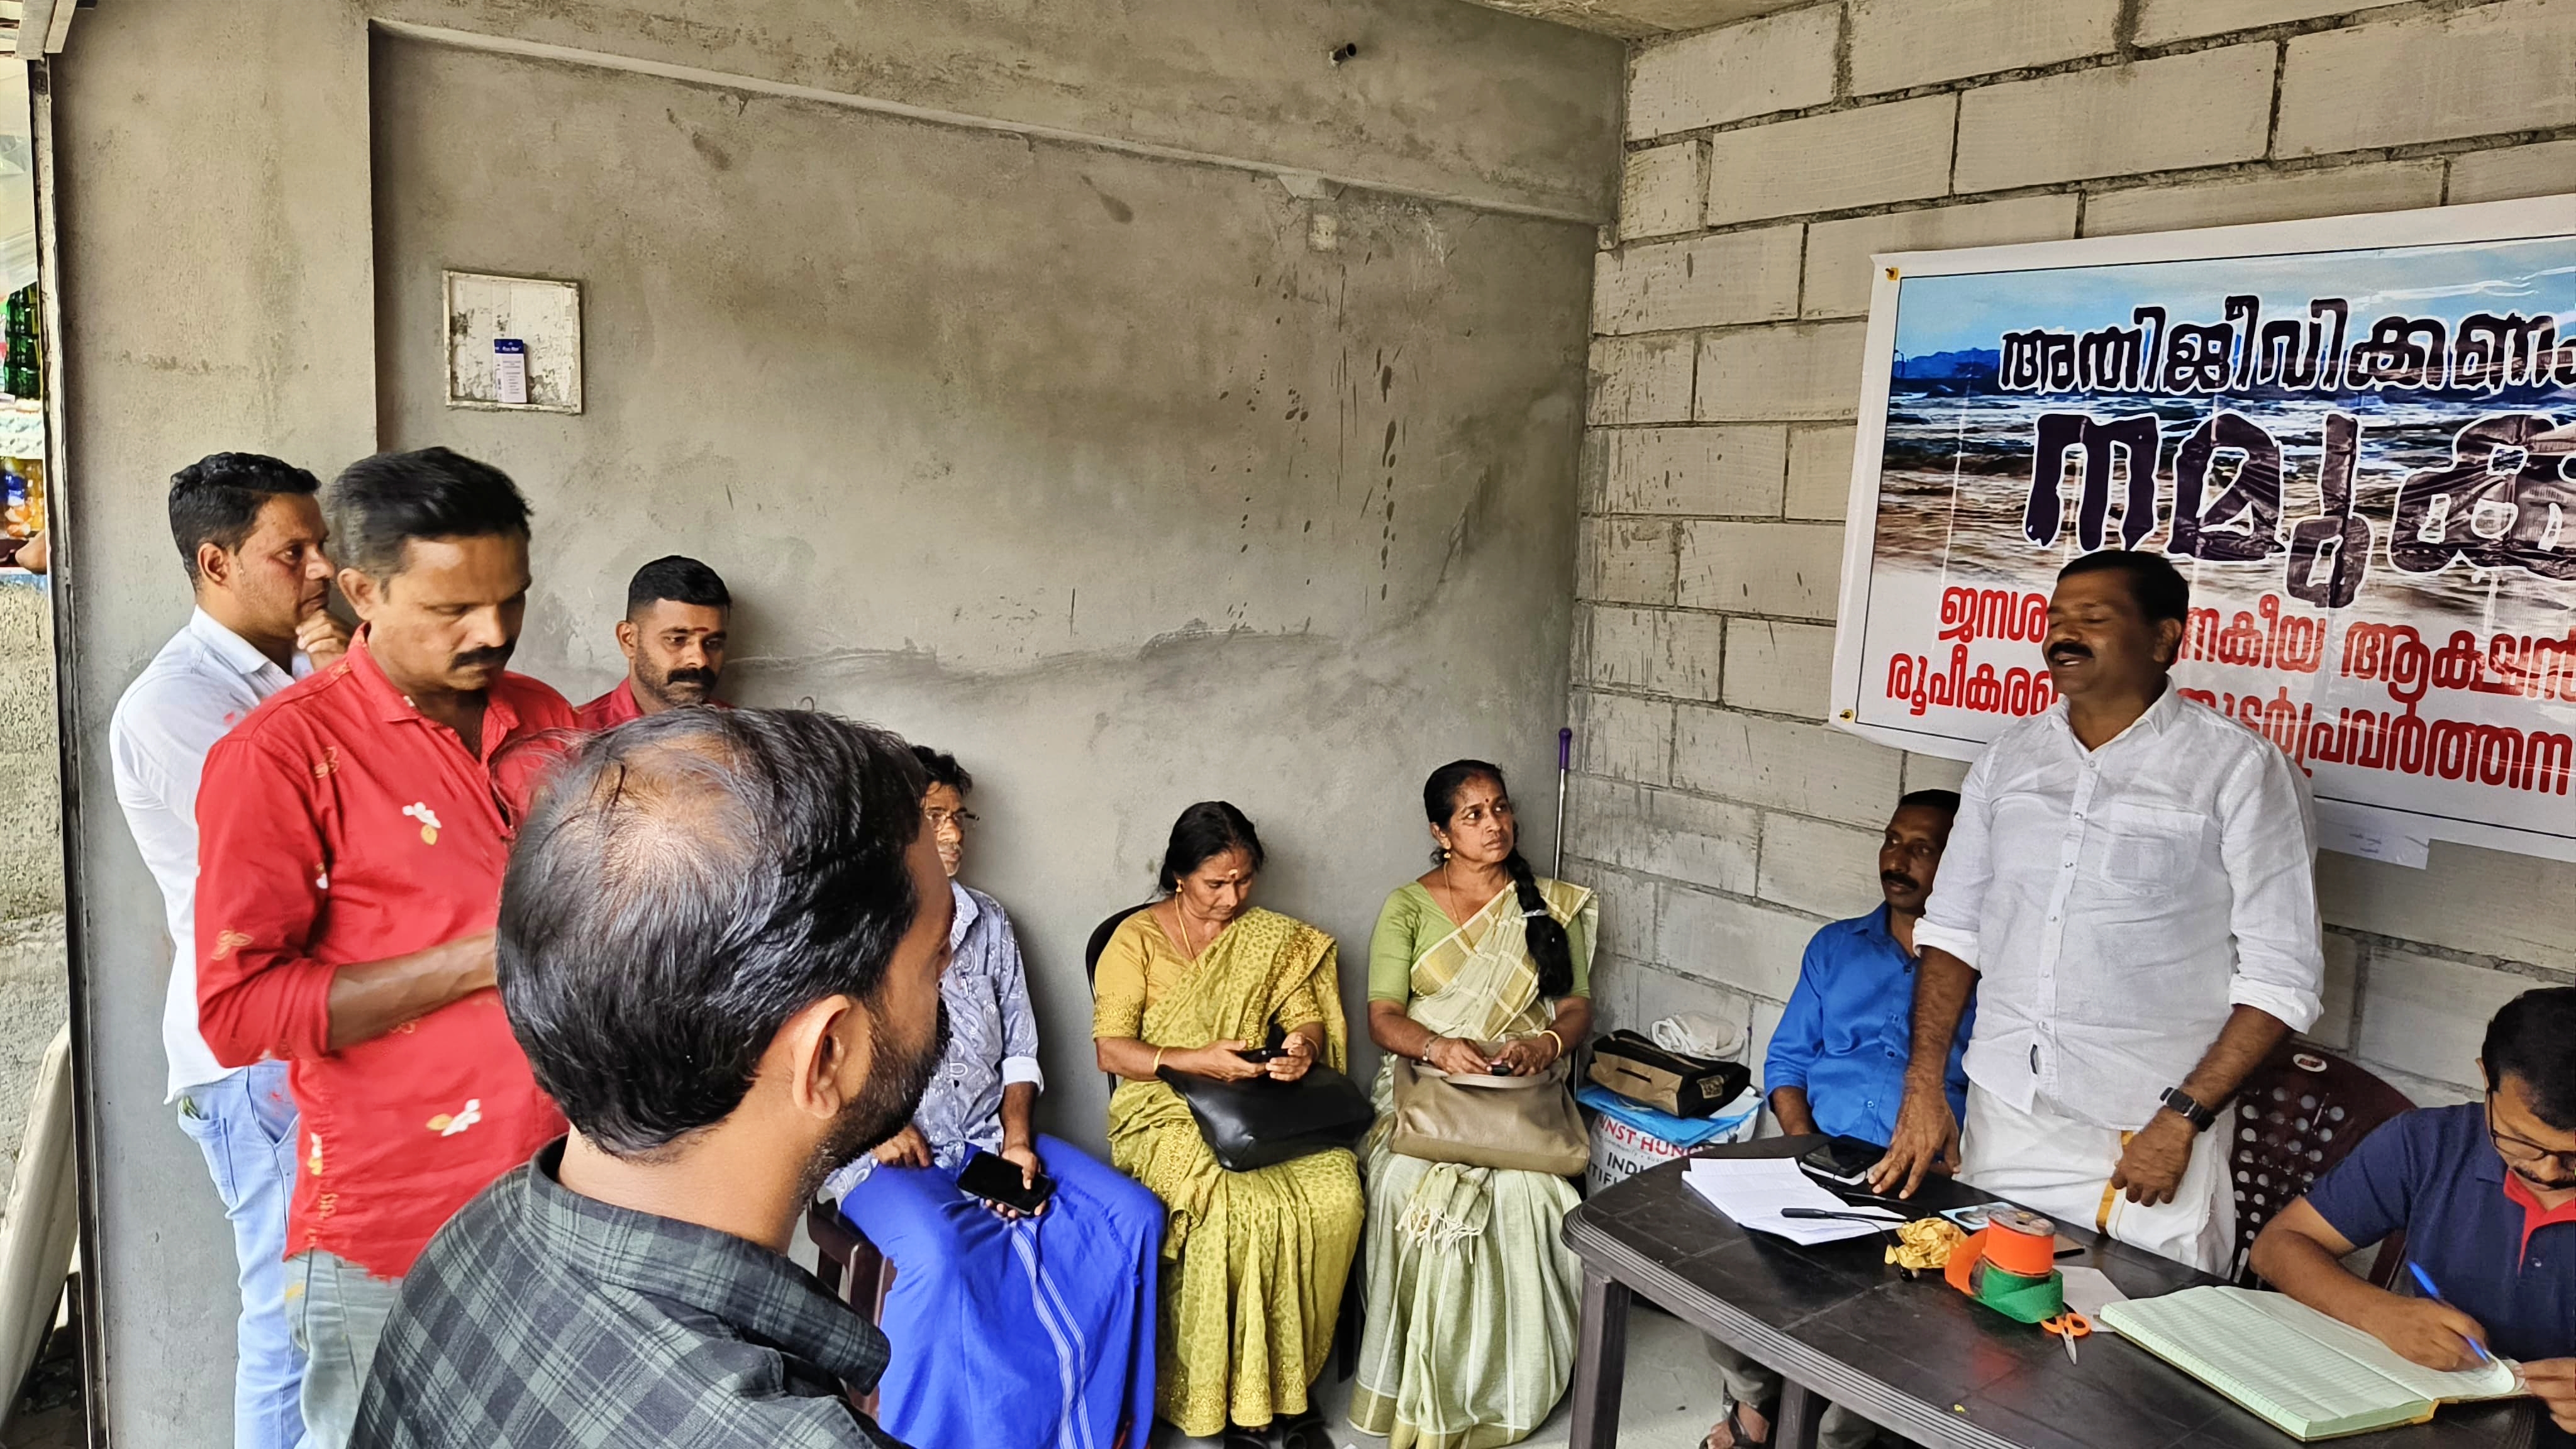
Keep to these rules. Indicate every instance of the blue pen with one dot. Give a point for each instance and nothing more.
(2424, 1280)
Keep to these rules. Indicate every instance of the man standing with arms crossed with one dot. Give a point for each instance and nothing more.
(2130, 895)
(355, 833)
(250, 536)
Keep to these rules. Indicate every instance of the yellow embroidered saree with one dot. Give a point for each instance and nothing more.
(1472, 1300)
(1255, 1261)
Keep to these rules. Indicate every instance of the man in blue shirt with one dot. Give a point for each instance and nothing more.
(2486, 1195)
(1837, 1063)
(1837, 1059)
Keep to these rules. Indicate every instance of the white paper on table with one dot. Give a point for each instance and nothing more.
(1752, 1191)
(2089, 1290)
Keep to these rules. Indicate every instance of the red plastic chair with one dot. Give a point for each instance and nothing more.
(2301, 1112)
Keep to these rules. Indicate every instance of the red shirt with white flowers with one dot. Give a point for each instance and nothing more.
(340, 826)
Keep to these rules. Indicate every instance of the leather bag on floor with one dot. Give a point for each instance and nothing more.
(1261, 1121)
(1527, 1124)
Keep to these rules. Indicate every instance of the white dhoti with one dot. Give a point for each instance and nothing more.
(2061, 1166)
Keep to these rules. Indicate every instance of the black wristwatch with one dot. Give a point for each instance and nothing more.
(2183, 1106)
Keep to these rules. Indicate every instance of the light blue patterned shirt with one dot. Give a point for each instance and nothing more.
(992, 1041)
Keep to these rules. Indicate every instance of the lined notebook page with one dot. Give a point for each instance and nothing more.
(2484, 1381)
(2254, 1358)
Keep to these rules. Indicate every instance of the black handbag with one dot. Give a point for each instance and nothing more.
(1683, 1086)
(1261, 1120)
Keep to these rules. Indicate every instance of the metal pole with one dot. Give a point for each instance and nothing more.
(1564, 764)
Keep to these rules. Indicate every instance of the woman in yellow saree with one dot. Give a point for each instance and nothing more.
(1471, 1298)
(1253, 1261)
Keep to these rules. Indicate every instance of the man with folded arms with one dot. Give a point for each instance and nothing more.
(2130, 894)
(2485, 1193)
(721, 943)
(250, 535)
(354, 833)
(673, 637)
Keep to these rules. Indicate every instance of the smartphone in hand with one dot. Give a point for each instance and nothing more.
(995, 1179)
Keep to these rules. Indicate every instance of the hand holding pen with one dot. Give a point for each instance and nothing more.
(2429, 1331)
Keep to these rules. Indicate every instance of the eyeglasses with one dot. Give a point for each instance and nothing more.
(2527, 1156)
(944, 819)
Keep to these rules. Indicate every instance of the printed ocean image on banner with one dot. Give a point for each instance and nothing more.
(2358, 458)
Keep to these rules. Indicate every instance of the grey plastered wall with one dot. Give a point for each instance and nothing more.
(1082, 462)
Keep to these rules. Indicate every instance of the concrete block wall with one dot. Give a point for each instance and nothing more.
(1767, 161)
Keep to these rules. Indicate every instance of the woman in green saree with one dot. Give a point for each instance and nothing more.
(1471, 1298)
(1253, 1261)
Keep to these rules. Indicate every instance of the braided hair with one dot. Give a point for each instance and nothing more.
(1547, 941)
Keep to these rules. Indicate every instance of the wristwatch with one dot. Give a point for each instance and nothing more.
(2190, 1111)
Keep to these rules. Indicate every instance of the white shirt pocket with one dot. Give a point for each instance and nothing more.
(2150, 851)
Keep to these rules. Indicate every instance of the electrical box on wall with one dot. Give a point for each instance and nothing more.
(513, 343)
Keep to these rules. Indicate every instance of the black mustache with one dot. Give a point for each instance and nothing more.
(703, 678)
(476, 658)
(1898, 878)
(2069, 650)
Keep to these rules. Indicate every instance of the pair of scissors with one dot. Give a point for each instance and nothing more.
(2068, 1326)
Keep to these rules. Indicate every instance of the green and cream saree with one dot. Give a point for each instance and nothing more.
(1254, 1261)
(1472, 1300)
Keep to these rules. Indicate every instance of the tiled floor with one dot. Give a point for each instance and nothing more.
(1670, 1400)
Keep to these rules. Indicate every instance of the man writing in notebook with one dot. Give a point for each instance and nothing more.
(2485, 1193)
(2129, 894)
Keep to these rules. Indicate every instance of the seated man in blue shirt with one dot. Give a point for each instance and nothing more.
(2486, 1195)
(1837, 1062)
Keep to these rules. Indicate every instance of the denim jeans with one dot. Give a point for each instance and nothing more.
(339, 1318)
(245, 1124)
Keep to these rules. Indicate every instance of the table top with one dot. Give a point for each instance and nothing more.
(1925, 1360)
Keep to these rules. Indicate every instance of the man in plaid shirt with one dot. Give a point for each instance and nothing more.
(720, 944)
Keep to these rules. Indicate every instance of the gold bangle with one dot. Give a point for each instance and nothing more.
(1560, 1041)
(1158, 1059)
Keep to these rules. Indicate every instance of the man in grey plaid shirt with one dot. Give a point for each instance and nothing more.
(720, 944)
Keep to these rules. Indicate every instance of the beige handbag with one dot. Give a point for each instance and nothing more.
(1527, 1124)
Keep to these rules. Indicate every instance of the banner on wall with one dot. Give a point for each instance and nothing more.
(2352, 435)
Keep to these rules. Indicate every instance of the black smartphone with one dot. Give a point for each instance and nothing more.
(1845, 1160)
(1262, 1054)
(991, 1177)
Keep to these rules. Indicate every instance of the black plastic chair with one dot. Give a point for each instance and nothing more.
(2301, 1112)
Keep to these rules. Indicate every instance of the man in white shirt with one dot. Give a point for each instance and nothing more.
(251, 535)
(2130, 895)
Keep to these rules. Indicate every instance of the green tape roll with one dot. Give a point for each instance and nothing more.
(2022, 1299)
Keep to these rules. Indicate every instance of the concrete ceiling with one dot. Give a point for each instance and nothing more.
(1641, 19)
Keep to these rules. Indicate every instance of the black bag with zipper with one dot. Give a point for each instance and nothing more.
(1631, 1065)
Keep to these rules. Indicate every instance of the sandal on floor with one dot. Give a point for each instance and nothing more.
(1305, 1431)
(1733, 1423)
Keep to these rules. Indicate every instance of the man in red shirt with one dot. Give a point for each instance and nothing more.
(354, 834)
(673, 637)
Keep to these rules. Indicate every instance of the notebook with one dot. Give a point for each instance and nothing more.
(2309, 1375)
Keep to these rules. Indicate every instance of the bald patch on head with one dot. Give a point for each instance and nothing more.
(664, 817)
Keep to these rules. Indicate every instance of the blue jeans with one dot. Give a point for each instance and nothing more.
(246, 1126)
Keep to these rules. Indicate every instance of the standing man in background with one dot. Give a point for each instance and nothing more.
(2130, 892)
(355, 835)
(673, 637)
(250, 536)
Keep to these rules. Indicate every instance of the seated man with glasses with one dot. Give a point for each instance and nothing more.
(2486, 1195)
(1007, 1330)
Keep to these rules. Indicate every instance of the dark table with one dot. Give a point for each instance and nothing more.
(1917, 1357)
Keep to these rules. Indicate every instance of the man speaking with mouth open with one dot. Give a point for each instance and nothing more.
(2130, 895)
